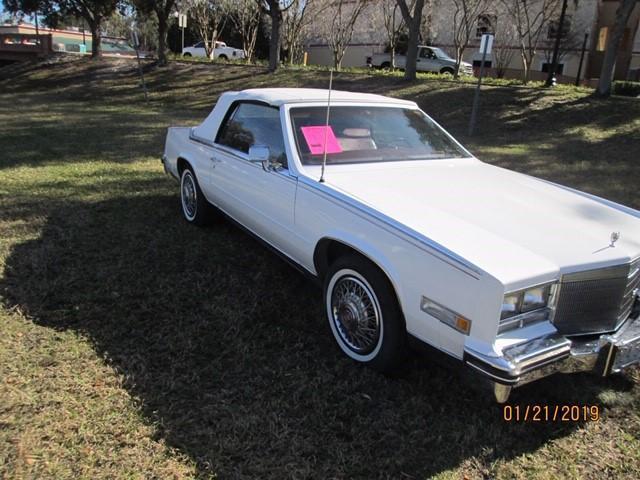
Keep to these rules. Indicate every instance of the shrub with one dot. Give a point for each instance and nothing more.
(629, 89)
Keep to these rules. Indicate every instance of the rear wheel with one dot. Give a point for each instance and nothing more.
(187, 54)
(385, 65)
(447, 70)
(223, 57)
(363, 313)
(195, 207)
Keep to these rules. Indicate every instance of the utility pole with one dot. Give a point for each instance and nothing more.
(486, 43)
(37, 28)
(556, 47)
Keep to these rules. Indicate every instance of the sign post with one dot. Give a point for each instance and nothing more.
(182, 23)
(485, 47)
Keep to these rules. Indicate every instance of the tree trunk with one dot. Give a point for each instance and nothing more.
(525, 68)
(214, 39)
(338, 55)
(459, 54)
(96, 38)
(413, 24)
(412, 50)
(556, 47)
(274, 41)
(608, 64)
(162, 39)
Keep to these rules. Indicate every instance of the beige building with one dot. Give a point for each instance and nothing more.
(591, 18)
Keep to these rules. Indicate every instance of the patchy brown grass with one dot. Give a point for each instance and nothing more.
(134, 346)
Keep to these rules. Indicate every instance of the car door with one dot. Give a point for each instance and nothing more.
(263, 201)
(199, 50)
(427, 61)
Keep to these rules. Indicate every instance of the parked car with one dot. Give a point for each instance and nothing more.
(221, 51)
(430, 59)
(413, 238)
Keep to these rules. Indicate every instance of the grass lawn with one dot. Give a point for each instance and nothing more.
(135, 346)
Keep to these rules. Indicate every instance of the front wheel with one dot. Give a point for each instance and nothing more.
(195, 208)
(364, 315)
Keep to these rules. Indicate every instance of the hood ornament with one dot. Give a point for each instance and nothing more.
(615, 236)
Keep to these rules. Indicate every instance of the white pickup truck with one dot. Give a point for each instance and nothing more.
(430, 59)
(414, 239)
(221, 51)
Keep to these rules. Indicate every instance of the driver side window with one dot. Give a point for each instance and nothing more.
(427, 53)
(253, 124)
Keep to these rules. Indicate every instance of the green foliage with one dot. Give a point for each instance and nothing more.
(626, 88)
(23, 6)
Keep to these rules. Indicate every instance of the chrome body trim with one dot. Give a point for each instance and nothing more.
(522, 319)
(615, 271)
(556, 353)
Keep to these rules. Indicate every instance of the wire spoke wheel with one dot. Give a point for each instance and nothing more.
(356, 314)
(189, 196)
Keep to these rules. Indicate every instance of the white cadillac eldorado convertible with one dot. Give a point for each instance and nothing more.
(413, 238)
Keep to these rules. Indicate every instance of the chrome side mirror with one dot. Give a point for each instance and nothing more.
(260, 154)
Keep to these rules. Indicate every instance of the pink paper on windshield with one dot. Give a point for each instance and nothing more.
(315, 139)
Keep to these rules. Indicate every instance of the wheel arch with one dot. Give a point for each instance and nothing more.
(183, 161)
(330, 248)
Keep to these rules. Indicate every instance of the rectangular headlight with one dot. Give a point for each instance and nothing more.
(535, 298)
(510, 305)
(524, 307)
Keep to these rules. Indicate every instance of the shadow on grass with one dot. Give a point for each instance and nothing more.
(228, 352)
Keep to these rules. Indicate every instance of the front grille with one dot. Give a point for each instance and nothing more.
(596, 301)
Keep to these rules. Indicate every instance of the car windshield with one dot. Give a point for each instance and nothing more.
(441, 53)
(359, 134)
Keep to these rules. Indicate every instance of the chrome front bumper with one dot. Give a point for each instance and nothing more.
(540, 357)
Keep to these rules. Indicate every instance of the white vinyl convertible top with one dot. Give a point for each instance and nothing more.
(280, 96)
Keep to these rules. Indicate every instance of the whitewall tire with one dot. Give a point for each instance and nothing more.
(363, 313)
(195, 207)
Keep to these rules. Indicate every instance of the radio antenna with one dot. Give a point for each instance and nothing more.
(326, 128)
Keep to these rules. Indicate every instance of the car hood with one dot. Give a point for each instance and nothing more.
(517, 228)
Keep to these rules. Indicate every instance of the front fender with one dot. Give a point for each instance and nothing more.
(373, 253)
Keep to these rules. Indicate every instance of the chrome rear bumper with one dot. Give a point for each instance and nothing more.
(540, 357)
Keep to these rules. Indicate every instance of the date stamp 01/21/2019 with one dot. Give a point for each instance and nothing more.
(551, 413)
